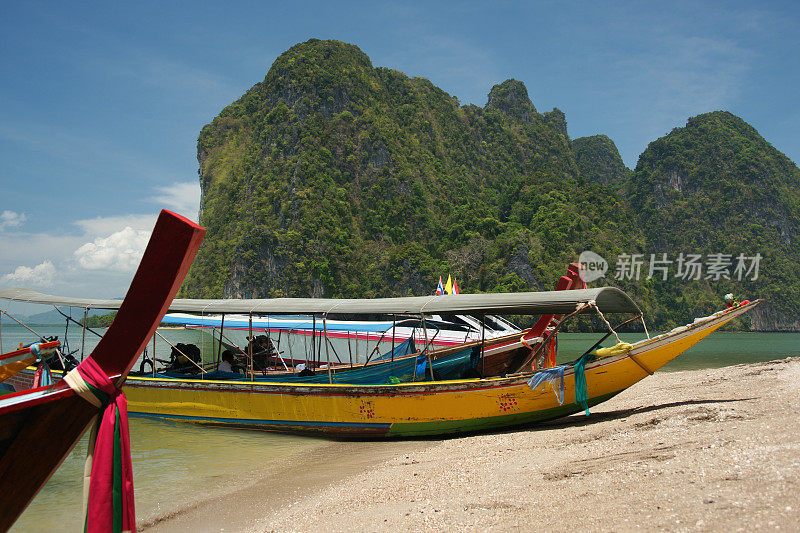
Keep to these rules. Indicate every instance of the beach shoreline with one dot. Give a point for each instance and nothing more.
(698, 450)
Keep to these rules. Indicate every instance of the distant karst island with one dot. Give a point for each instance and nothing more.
(335, 178)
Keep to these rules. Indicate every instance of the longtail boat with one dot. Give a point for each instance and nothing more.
(13, 362)
(496, 353)
(529, 391)
(431, 407)
(39, 427)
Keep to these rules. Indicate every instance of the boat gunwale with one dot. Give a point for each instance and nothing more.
(27, 350)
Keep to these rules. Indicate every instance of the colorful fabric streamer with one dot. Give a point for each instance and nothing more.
(550, 375)
(42, 376)
(110, 499)
(581, 393)
(421, 366)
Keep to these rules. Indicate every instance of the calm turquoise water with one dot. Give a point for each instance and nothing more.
(173, 464)
(176, 464)
(717, 350)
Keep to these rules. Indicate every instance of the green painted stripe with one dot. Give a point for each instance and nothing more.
(116, 488)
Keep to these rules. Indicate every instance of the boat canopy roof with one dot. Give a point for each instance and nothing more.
(608, 299)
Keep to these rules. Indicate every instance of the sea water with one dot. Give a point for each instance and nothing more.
(722, 348)
(176, 464)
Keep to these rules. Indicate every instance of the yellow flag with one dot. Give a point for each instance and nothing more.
(448, 288)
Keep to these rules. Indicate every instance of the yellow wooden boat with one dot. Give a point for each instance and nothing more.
(419, 408)
(410, 409)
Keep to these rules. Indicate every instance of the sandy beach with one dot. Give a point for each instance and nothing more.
(703, 450)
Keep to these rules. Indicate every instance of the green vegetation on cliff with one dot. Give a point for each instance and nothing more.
(717, 187)
(335, 178)
(599, 161)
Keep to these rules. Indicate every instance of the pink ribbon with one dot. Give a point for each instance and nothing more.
(110, 502)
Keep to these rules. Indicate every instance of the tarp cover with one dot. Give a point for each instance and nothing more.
(609, 300)
(453, 366)
(275, 323)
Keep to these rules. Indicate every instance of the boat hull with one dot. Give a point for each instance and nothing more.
(14, 362)
(409, 409)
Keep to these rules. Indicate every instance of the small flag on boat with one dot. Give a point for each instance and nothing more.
(440, 288)
(449, 287)
(455, 287)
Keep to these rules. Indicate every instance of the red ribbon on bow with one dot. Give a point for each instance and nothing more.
(110, 502)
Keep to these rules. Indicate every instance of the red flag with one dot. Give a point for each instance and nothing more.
(455, 287)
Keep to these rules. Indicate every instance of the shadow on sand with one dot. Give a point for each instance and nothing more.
(578, 420)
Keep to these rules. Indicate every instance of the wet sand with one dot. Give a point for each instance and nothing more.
(703, 450)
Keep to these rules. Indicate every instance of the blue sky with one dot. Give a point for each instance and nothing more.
(101, 104)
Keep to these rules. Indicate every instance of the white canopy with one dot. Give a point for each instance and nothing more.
(608, 299)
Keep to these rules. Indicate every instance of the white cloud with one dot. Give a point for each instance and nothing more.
(11, 219)
(104, 226)
(25, 248)
(119, 251)
(41, 275)
(181, 197)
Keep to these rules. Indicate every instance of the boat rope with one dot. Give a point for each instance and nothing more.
(108, 475)
(535, 355)
(645, 326)
(592, 303)
(83, 334)
(232, 344)
(327, 350)
(202, 345)
(70, 319)
(4, 312)
(278, 350)
(219, 348)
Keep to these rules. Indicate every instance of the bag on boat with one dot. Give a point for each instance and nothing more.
(621, 348)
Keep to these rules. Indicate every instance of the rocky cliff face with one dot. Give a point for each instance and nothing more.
(332, 177)
(511, 99)
(599, 161)
(716, 186)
